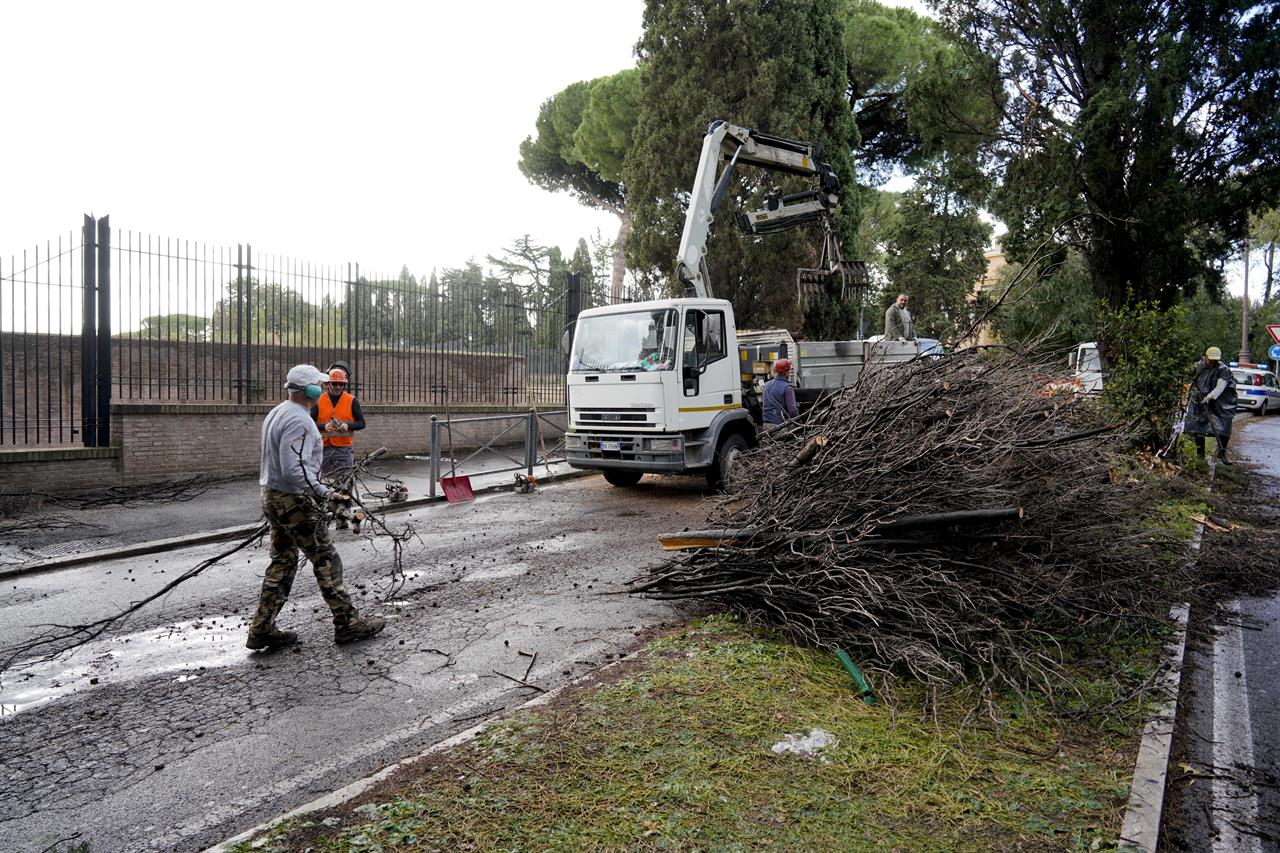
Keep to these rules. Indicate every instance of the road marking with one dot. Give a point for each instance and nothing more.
(1235, 805)
(268, 793)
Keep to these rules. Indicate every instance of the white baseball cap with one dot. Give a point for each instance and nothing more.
(305, 374)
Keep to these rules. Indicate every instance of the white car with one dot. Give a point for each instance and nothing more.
(1256, 389)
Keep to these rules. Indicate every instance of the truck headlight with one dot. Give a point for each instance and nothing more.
(572, 441)
(664, 444)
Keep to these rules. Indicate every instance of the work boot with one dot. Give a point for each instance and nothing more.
(359, 628)
(1222, 456)
(273, 639)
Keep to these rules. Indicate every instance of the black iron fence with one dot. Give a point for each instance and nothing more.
(115, 315)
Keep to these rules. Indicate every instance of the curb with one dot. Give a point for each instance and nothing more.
(350, 791)
(1141, 827)
(221, 534)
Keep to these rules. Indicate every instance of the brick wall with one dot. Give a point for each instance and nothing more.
(160, 441)
(70, 470)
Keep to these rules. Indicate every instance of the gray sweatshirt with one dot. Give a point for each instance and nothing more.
(291, 451)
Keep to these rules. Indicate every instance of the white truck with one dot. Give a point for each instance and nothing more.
(1085, 365)
(671, 385)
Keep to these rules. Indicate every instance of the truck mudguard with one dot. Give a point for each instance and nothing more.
(723, 423)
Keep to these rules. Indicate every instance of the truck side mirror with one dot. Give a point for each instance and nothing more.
(1071, 359)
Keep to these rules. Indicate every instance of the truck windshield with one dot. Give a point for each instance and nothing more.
(637, 340)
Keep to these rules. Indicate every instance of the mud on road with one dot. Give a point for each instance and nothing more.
(170, 735)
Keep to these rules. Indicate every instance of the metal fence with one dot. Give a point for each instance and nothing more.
(109, 315)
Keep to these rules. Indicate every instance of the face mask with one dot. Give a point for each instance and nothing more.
(313, 391)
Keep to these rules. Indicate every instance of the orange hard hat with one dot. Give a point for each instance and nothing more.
(782, 365)
(337, 375)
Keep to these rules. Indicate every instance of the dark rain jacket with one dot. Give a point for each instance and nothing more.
(1211, 417)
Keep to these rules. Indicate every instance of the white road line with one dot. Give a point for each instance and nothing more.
(1235, 805)
(267, 793)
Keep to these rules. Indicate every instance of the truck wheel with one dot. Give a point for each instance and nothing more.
(720, 474)
(622, 478)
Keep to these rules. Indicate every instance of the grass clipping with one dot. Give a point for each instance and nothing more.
(947, 519)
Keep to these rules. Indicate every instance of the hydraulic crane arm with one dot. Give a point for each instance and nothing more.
(735, 145)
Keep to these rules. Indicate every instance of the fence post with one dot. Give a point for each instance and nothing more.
(104, 373)
(347, 326)
(531, 442)
(355, 338)
(248, 323)
(572, 307)
(239, 323)
(88, 337)
(435, 454)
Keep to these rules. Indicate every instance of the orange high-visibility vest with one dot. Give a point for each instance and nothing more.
(327, 410)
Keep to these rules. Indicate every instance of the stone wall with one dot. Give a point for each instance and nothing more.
(161, 441)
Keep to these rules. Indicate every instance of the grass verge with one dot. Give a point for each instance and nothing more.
(672, 751)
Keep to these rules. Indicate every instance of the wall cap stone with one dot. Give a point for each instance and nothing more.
(54, 454)
(131, 409)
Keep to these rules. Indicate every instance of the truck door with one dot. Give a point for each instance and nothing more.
(709, 383)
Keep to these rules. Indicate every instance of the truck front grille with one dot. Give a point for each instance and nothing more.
(598, 416)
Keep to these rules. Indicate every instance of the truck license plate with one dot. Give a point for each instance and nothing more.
(611, 445)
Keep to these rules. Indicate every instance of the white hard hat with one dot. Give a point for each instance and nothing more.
(303, 375)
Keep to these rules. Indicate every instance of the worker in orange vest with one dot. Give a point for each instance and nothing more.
(338, 416)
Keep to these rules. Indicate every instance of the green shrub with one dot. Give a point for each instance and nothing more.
(1150, 354)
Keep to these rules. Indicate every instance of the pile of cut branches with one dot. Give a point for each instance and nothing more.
(946, 519)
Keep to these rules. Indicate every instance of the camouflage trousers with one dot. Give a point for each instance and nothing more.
(297, 523)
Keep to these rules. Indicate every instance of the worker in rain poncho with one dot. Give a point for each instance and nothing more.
(1212, 403)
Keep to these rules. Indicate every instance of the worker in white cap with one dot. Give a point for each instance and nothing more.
(291, 500)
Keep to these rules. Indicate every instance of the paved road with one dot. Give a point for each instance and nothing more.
(208, 505)
(1228, 739)
(169, 735)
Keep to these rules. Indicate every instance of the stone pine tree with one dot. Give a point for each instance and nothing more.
(935, 251)
(1146, 132)
(779, 67)
(583, 134)
(914, 90)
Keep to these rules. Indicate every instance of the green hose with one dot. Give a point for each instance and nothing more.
(864, 689)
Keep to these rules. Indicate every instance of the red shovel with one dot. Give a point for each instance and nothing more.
(456, 489)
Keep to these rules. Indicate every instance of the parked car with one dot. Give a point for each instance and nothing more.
(1256, 389)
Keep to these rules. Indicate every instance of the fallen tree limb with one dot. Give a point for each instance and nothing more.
(954, 520)
(59, 639)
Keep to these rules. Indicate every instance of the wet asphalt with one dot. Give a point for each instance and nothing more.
(167, 734)
(1224, 793)
(202, 505)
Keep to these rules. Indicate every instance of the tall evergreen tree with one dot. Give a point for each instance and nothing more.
(584, 133)
(935, 251)
(777, 66)
(1145, 130)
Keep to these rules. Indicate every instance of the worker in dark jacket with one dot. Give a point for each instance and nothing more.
(779, 401)
(1212, 403)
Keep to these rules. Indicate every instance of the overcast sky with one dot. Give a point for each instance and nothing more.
(383, 133)
(379, 133)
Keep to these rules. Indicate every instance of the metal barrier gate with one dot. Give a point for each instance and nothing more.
(533, 446)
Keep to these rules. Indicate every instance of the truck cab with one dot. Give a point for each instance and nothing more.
(656, 386)
(1085, 364)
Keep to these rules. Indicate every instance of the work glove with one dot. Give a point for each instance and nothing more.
(338, 500)
(1197, 397)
